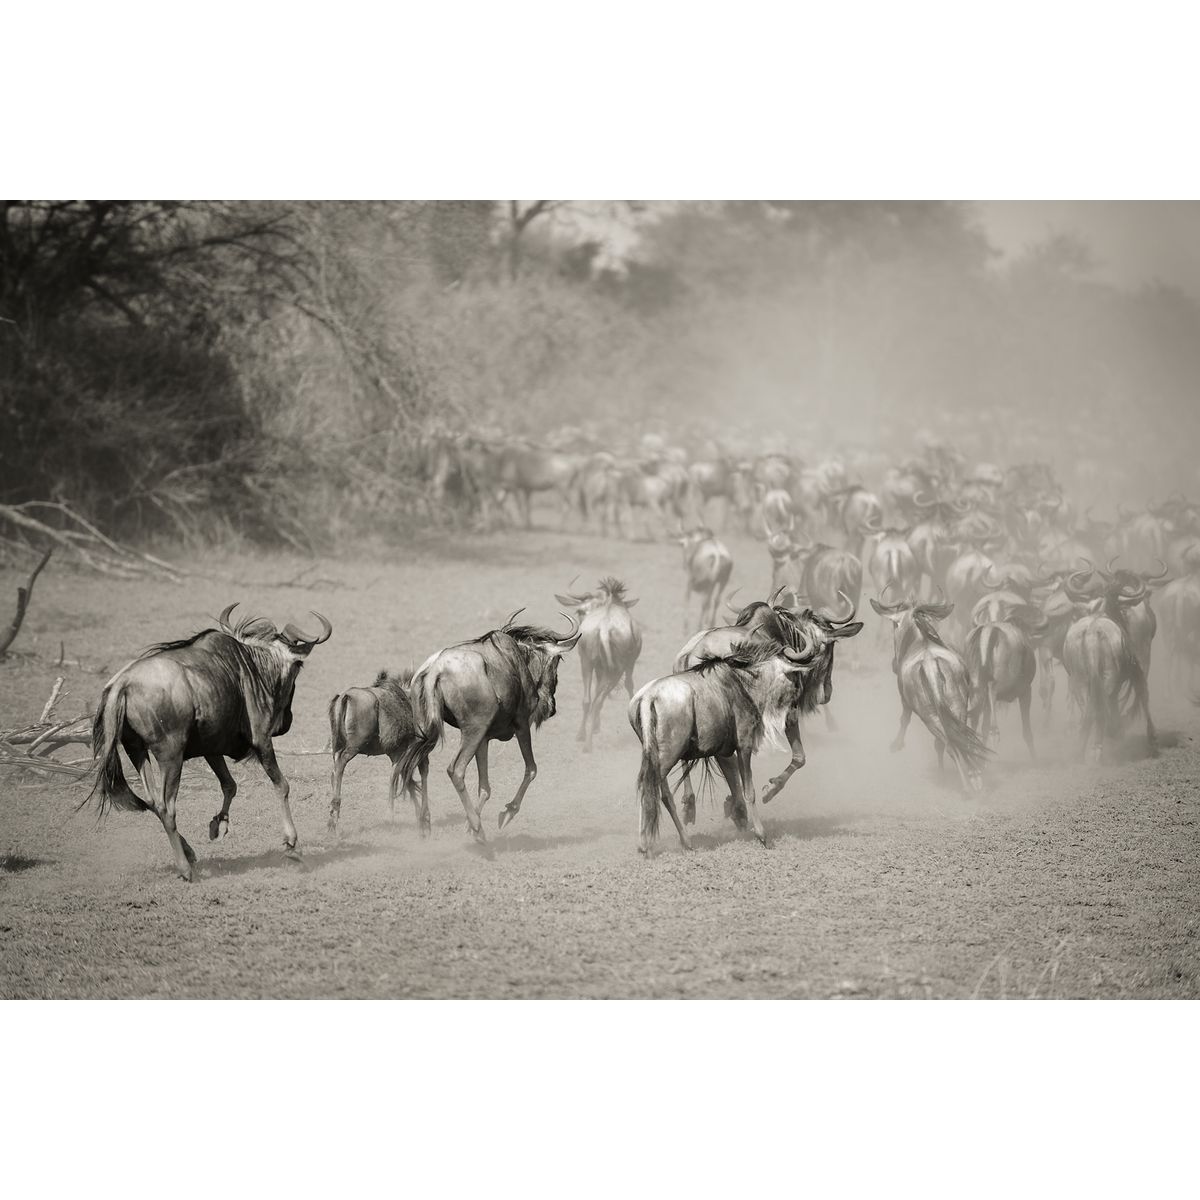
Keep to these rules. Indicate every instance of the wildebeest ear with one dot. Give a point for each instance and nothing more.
(879, 608)
(568, 601)
(631, 603)
(846, 631)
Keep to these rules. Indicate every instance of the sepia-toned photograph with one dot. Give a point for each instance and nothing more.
(599, 599)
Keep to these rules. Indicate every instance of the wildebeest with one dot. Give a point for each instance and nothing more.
(707, 565)
(1102, 664)
(222, 693)
(610, 641)
(1002, 663)
(721, 709)
(1178, 605)
(933, 682)
(520, 469)
(371, 721)
(498, 686)
(765, 621)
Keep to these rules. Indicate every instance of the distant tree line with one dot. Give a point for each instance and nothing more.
(266, 371)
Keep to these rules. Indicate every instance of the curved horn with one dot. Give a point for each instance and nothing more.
(919, 503)
(1075, 583)
(729, 604)
(574, 632)
(987, 579)
(299, 636)
(1133, 593)
(223, 619)
(512, 618)
(1109, 566)
(1150, 577)
(807, 652)
(853, 610)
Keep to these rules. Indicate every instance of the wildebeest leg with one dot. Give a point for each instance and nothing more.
(1026, 700)
(831, 725)
(170, 767)
(340, 759)
(687, 595)
(421, 805)
(219, 825)
(472, 739)
(629, 682)
(689, 797)
(510, 810)
(747, 776)
(905, 717)
(714, 600)
(602, 692)
(1046, 681)
(585, 668)
(481, 765)
(735, 806)
(792, 729)
(1142, 691)
(266, 756)
(526, 503)
(664, 792)
(941, 753)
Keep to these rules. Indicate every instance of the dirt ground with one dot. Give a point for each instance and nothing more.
(880, 879)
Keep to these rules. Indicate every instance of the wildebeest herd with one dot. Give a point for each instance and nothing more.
(988, 576)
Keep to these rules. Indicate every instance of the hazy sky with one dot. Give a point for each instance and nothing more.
(1134, 242)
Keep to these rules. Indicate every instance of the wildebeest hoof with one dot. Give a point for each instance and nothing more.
(506, 815)
(331, 825)
(292, 852)
(188, 852)
(218, 827)
(896, 746)
(186, 876)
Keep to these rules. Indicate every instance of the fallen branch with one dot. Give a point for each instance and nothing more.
(82, 544)
(48, 711)
(23, 596)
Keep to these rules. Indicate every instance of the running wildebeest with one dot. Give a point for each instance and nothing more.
(498, 686)
(222, 693)
(1102, 663)
(763, 622)
(610, 641)
(1002, 663)
(721, 709)
(933, 682)
(707, 565)
(371, 721)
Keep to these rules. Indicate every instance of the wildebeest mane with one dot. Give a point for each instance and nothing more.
(394, 681)
(613, 586)
(248, 630)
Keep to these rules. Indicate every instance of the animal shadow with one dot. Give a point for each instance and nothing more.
(11, 863)
(802, 829)
(309, 860)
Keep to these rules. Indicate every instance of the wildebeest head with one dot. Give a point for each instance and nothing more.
(290, 639)
(607, 591)
(911, 622)
(288, 648)
(540, 650)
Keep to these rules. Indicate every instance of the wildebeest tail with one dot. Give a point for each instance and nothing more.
(337, 722)
(427, 723)
(649, 774)
(110, 789)
(960, 739)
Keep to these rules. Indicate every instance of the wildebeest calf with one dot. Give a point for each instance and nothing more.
(375, 720)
